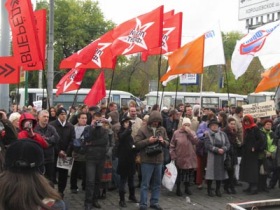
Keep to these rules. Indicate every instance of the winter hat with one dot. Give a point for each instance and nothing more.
(14, 116)
(61, 110)
(24, 155)
(186, 121)
(213, 121)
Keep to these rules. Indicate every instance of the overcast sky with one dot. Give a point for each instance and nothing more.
(198, 15)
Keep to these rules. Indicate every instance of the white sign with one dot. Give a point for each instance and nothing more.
(253, 8)
(189, 79)
(38, 105)
(257, 110)
(66, 163)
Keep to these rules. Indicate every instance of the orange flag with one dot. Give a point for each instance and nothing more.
(271, 79)
(187, 59)
(97, 92)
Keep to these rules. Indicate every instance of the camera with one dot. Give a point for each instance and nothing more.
(98, 124)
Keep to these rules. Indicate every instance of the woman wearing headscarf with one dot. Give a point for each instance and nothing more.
(253, 146)
(183, 153)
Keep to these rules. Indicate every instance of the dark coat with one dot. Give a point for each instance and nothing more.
(51, 136)
(97, 139)
(126, 152)
(233, 151)
(66, 136)
(249, 169)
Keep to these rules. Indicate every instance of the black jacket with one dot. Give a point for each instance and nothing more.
(67, 136)
(51, 136)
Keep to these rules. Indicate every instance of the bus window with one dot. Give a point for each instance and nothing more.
(116, 99)
(151, 100)
(191, 100)
(212, 102)
(166, 101)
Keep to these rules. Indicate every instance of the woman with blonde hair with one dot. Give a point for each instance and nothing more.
(22, 184)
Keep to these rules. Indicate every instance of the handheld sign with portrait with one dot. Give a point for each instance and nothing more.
(263, 109)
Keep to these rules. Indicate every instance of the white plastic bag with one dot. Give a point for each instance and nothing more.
(170, 175)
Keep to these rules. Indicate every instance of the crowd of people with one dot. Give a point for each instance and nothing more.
(111, 145)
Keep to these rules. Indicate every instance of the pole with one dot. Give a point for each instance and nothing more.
(74, 102)
(4, 51)
(200, 97)
(176, 93)
(227, 86)
(50, 73)
(159, 65)
(110, 88)
(26, 89)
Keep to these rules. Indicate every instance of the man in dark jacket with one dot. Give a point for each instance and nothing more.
(50, 135)
(151, 165)
(96, 138)
(66, 133)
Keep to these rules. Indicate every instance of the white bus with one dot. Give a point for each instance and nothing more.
(208, 99)
(121, 98)
(260, 97)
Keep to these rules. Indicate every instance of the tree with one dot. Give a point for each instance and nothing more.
(76, 24)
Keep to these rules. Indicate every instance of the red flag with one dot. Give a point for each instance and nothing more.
(25, 40)
(171, 38)
(41, 22)
(95, 55)
(138, 34)
(168, 15)
(187, 59)
(9, 70)
(71, 81)
(97, 92)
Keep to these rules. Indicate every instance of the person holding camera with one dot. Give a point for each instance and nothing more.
(27, 123)
(96, 139)
(126, 166)
(149, 140)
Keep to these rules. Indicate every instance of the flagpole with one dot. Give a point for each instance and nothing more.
(159, 65)
(74, 102)
(227, 85)
(176, 92)
(200, 97)
(45, 81)
(110, 88)
(163, 87)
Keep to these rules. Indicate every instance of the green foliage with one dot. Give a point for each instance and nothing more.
(78, 22)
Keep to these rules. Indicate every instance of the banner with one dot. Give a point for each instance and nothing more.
(263, 109)
(25, 40)
(9, 70)
(263, 40)
(138, 34)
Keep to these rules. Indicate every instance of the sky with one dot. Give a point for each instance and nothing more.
(198, 15)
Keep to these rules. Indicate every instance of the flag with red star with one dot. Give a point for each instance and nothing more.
(138, 34)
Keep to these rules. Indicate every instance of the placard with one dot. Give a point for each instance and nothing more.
(263, 109)
(66, 163)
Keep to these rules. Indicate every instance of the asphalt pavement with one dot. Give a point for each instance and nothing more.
(170, 201)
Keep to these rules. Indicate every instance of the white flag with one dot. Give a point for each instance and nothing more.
(270, 60)
(213, 50)
(213, 47)
(263, 40)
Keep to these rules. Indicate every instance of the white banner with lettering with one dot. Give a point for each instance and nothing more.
(263, 109)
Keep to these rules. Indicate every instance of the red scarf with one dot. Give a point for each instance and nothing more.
(251, 120)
